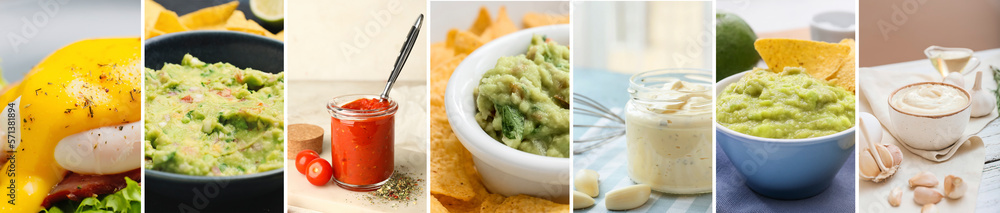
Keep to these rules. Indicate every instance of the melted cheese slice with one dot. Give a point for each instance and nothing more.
(86, 85)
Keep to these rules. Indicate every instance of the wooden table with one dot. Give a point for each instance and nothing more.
(989, 190)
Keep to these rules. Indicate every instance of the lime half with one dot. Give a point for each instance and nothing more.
(270, 11)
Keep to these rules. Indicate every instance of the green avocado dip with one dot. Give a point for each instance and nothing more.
(786, 105)
(213, 119)
(524, 100)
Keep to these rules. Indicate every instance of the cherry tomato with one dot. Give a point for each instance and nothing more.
(319, 172)
(303, 158)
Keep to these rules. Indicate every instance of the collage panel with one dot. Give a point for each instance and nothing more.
(214, 115)
(359, 143)
(643, 76)
(786, 107)
(931, 131)
(500, 106)
(72, 104)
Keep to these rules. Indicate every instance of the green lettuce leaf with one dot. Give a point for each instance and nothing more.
(128, 200)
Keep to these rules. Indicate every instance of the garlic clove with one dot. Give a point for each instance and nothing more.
(582, 200)
(628, 197)
(586, 182)
(895, 196)
(897, 155)
(924, 178)
(869, 169)
(983, 102)
(929, 208)
(883, 152)
(954, 187)
(923, 195)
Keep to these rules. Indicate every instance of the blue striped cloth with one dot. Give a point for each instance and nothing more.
(609, 160)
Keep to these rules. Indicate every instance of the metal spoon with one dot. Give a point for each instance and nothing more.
(403, 54)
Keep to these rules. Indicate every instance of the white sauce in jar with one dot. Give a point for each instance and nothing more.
(669, 137)
(929, 99)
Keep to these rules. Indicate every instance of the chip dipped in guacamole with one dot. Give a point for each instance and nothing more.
(524, 100)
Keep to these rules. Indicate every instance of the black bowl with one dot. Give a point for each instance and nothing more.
(241, 50)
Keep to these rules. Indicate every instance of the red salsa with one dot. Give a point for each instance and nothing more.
(367, 104)
(363, 145)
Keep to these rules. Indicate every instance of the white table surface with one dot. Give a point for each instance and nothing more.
(306, 103)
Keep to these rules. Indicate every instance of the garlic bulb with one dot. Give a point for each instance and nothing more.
(955, 78)
(983, 102)
(877, 161)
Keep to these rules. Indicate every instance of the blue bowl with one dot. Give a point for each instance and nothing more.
(784, 168)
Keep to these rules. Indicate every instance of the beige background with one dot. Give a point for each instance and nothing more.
(320, 30)
(971, 24)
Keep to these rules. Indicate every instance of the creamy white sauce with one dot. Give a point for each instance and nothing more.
(669, 138)
(929, 99)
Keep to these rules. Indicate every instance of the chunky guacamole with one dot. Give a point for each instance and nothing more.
(213, 119)
(786, 105)
(524, 100)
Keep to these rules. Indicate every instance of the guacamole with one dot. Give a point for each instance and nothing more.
(524, 100)
(213, 119)
(786, 105)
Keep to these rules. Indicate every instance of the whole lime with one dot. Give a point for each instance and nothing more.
(734, 49)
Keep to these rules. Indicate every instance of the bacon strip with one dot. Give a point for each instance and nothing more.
(78, 186)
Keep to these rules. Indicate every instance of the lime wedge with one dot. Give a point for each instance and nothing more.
(271, 11)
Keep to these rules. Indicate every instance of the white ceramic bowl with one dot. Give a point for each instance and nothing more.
(505, 170)
(929, 132)
(832, 26)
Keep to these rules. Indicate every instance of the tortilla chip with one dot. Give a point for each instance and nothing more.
(533, 19)
(448, 163)
(239, 22)
(491, 203)
(437, 207)
(466, 42)
(845, 75)
(449, 40)
(483, 21)
(210, 18)
(503, 25)
(440, 53)
(525, 203)
(820, 59)
(152, 11)
(150, 32)
(280, 36)
(167, 22)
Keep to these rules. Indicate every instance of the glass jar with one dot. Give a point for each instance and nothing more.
(361, 141)
(668, 123)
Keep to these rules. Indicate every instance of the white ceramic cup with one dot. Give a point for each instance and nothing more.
(929, 132)
(832, 26)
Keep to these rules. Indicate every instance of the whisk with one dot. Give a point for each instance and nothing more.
(595, 109)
